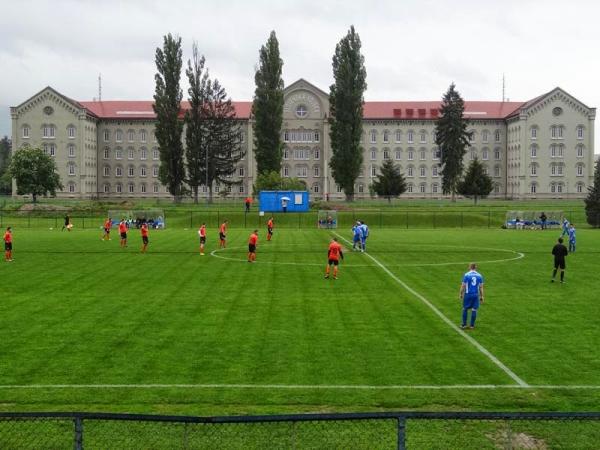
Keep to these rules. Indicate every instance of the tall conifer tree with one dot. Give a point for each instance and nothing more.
(345, 112)
(452, 138)
(592, 201)
(167, 104)
(267, 108)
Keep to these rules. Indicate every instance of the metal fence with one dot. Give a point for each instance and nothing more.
(390, 430)
(417, 218)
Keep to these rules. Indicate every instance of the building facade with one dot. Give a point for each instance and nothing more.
(542, 148)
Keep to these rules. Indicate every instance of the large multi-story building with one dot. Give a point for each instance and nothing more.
(542, 148)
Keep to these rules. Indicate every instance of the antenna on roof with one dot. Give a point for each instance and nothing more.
(503, 89)
(99, 87)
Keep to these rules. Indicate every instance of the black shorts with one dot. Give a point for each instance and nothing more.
(269, 230)
(560, 263)
(8, 246)
(222, 236)
(335, 262)
(251, 248)
(107, 230)
(145, 239)
(123, 235)
(202, 239)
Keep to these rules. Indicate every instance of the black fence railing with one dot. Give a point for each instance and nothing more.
(388, 430)
(379, 218)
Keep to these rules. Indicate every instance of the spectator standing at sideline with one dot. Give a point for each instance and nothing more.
(543, 220)
(8, 245)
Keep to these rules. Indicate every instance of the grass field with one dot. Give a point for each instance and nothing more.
(89, 326)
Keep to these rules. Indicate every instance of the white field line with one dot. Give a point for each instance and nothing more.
(451, 324)
(302, 386)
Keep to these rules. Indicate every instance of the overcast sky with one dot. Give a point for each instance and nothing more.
(413, 48)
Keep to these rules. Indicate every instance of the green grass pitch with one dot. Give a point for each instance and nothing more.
(88, 326)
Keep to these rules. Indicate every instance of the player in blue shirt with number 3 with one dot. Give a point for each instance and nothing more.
(471, 294)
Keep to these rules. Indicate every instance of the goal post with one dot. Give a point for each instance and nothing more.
(327, 219)
(532, 219)
(155, 218)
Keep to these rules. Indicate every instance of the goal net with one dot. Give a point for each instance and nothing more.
(155, 218)
(327, 219)
(533, 219)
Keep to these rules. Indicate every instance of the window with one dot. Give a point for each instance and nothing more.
(485, 136)
(386, 136)
(361, 188)
(497, 171)
(434, 171)
(471, 136)
(130, 135)
(410, 136)
(71, 132)
(131, 188)
(49, 131)
(410, 188)
(155, 171)
(317, 136)
(373, 137)
(155, 188)
(373, 155)
(106, 188)
(373, 171)
(386, 154)
(361, 172)
(579, 170)
(71, 150)
(52, 150)
(579, 188)
(118, 153)
(143, 188)
(241, 188)
(155, 154)
(533, 133)
(485, 170)
(398, 136)
(26, 130)
(286, 171)
(435, 188)
(143, 153)
(317, 153)
(422, 171)
(106, 135)
(579, 151)
(118, 171)
(496, 188)
(130, 153)
(422, 155)
(130, 171)
(497, 135)
(71, 167)
(143, 171)
(338, 189)
(553, 188)
(286, 136)
(119, 136)
(553, 169)
(497, 154)
(398, 155)
(437, 153)
(533, 188)
(106, 153)
(410, 171)
(579, 132)
(534, 170)
(556, 131)
(286, 153)
(301, 171)
(71, 187)
(411, 154)
(316, 188)
(316, 171)
(472, 155)
(422, 188)
(533, 150)
(559, 188)
(118, 188)
(301, 153)
(106, 171)
(240, 171)
(143, 135)
(423, 137)
(485, 154)
(301, 111)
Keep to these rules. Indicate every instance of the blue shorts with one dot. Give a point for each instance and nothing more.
(471, 301)
(356, 239)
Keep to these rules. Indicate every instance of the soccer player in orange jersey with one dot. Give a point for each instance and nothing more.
(333, 255)
(144, 231)
(270, 226)
(107, 226)
(202, 234)
(252, 243)
(123, 233)
(223, 235)
(8, 245)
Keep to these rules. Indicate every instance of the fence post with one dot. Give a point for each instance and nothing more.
(78, 438)
(434, 213)
(380, 218)
(407, 219)
(401, 433)
(489, 219)
(462, 219)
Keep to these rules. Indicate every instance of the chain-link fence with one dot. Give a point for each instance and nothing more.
(376, 218)
(398, 430)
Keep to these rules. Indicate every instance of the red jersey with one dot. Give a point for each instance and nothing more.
(122, 227)
(335, 251)
(107, 224)
(202, 231)
(270, 223)
(223, 228)
(144, 230)
(253, 239)
(8, 237)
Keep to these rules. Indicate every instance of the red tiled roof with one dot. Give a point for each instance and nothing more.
(133, 109)
(136, 109)
(430, 110)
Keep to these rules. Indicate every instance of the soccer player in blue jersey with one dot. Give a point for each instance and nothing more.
(356, 237)
(471, 294)
(365, 235)
(572, 238)
(565, 227)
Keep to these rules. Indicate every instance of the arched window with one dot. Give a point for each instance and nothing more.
(143, 171)
(398, 136)
(71, 132)
(131, 188)
(533, 150)
(386, 136)
(143, 153)
(106, 171)
(143, 188)
(71, 168)
(118, 171)
(410, 171)
(579, 150)
(398, 154)
(579, 169)
(106, 188)
(71, 150)
(118, 188)
(130, 171)
(373, 135)
(422, 171)
(533, 188)
(143, 135)
(155, 171)
(119, 136)
(25, 132)
(130, 135)
(71, 187)
(533, 132)
(580, 132)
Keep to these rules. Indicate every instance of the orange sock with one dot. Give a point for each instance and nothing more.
(335, 271)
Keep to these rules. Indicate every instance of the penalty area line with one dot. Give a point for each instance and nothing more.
(441, 315)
